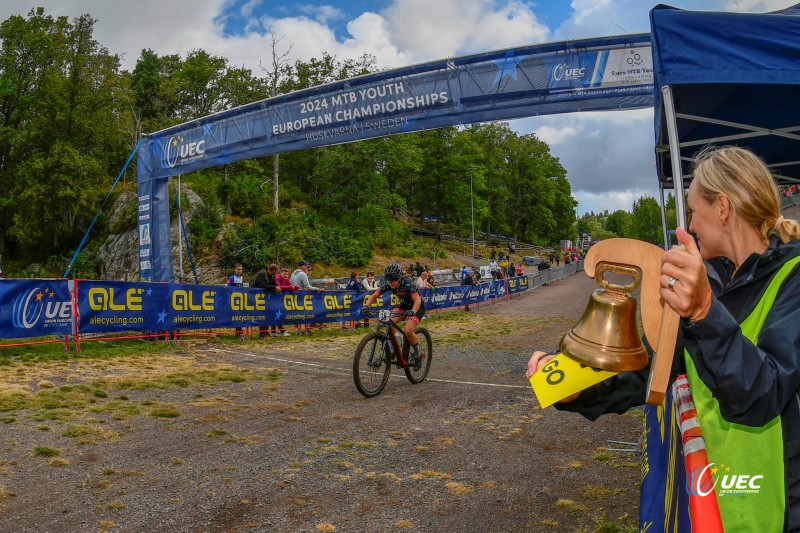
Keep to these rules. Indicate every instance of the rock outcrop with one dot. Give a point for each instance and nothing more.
(119, 256)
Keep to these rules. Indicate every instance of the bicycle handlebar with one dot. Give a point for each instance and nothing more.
(376, 313)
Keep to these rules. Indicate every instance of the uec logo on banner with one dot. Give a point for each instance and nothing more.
(563, 71)
(176, 149)
(28, 307)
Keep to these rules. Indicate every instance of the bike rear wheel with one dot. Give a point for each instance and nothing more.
(371, 365)
(426, 350)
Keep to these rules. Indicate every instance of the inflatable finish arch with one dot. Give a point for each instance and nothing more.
(609, 73)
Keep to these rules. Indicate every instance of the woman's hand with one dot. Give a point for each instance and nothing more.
(684, 281)
(537, 361)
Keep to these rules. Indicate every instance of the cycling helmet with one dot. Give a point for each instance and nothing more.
(393, 272)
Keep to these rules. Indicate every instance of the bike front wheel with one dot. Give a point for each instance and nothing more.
(426, 351)
(371, 365)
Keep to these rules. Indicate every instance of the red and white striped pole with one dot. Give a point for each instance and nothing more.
(703, 507)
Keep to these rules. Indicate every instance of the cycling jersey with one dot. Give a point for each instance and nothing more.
(405, 293)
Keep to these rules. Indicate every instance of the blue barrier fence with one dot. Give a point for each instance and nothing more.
(36, 311)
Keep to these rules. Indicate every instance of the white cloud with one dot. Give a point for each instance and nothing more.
(554, 135)
(609, 156)
(322, 14)
(429, 30)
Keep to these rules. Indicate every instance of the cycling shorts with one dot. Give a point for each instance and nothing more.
(417, 316)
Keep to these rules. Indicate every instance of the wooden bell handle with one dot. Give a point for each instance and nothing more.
(660, 321)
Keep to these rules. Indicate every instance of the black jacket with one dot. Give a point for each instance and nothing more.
(752, 383)
(264, 281)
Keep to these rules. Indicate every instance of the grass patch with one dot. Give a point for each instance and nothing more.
(90, 434)
(117, 409)
(457, 488)
(15, 401)
(430, 474)
(46, 451)
(164, 411)
(181, 379)
(5, 494)
(58, 462)
(602, 456)
(571, 506)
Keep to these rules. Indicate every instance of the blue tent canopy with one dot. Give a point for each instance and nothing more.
(726, 79)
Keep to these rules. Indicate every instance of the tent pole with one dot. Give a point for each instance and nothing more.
(674, 156)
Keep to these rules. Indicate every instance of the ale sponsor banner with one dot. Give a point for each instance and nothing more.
(33, 308)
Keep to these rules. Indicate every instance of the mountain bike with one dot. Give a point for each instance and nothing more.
(380, 349)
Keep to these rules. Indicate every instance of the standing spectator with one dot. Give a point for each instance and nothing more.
(558, 258)
(493, 255)
(520, 270)
(354, 284)
(370, 284)
(504, 265)
(469, 281)
(300, 278)
(418, 269)
(430, 279)
(422, 281)
(737, 291)
(493, 268)
(465, 273)
(282, 280)
(511, 271)
(512, 249)
(237, 280)
(265, 279)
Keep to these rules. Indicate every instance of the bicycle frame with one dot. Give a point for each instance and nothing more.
(386, 327)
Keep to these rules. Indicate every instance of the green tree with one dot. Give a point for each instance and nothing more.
(647, 220)
(620, 223)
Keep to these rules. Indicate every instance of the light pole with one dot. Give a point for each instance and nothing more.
(472, 209)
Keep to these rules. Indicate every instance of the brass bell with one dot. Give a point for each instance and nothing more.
(606, 336)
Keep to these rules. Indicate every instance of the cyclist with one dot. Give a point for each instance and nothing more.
(410, 303)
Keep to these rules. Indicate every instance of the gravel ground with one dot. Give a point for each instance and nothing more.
(298, 449)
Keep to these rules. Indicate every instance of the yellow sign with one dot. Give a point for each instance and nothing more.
(562, 377)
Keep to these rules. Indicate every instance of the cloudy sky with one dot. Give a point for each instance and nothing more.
(608, 156)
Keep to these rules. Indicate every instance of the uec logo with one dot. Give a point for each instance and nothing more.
(28, 307)
(700, 483)
(176, 149)
(562, 71)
